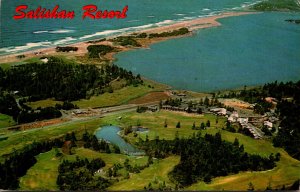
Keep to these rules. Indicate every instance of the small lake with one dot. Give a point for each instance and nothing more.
(110, 134)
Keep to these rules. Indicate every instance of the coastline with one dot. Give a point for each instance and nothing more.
(192, 25)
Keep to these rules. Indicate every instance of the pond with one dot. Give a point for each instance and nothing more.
(110, 134)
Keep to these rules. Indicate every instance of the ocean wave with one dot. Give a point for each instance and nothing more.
(25, 47)
(179, 14)
(150, 16)
(136, 20)
(236, 8)
(103, 33)
(64, 41)
(37, 32)
(62, 31)
(189, 18)
(206, 9)
(165, 22)
(249, 4)
(128, 29)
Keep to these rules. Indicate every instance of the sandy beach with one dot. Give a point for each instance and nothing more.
(192, 25)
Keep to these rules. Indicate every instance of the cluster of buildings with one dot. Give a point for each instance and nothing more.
(252, 123)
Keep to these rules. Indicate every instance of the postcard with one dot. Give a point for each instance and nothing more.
(129, 95)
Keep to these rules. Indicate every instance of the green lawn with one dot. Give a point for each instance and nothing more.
(6, 121)
(120, 96)
(43, 103)
(109, 159)
(42, 176)
(155, 123)
(157, 171)
(286, 172)
(17, 140)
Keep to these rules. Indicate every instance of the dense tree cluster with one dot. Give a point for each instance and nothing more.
(173, 102)
(203, 158)
(38, 115)
(277, 5)
(288, 107)
(181, 31)
(95, 50)
(17, 163)
(80, 175)
(8, 105)
(97, 41)
(126, 40)
(66, 49)
(142, 35)
(288, 135)
(23, 113)
(66, 106)
(279, 91)
(65, 82)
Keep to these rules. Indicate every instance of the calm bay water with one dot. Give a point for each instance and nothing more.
(245, 50)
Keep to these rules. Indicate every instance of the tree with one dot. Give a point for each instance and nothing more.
(236, 142)
(165, 124)
(178, 124)
(208, 123)
(199, 110)
(128, 130)
(206, 101)
(150, 161)
(202, 126)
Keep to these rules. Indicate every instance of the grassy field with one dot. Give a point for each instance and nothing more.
(6, 121)
(118, 97)
(42, 176)
(17, 140)
(158, 171)
(155, 122)
(286, 172)
(43, 103)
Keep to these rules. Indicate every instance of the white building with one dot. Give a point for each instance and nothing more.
(268, 124)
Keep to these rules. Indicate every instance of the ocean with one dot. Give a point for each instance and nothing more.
(28, 34)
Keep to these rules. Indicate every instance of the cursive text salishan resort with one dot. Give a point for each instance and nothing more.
(88, 11)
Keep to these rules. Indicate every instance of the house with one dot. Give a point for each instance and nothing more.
(219, 111)
(242, 120)
(233, 117)
(153, 108)
(45, 60)
(268, 124)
